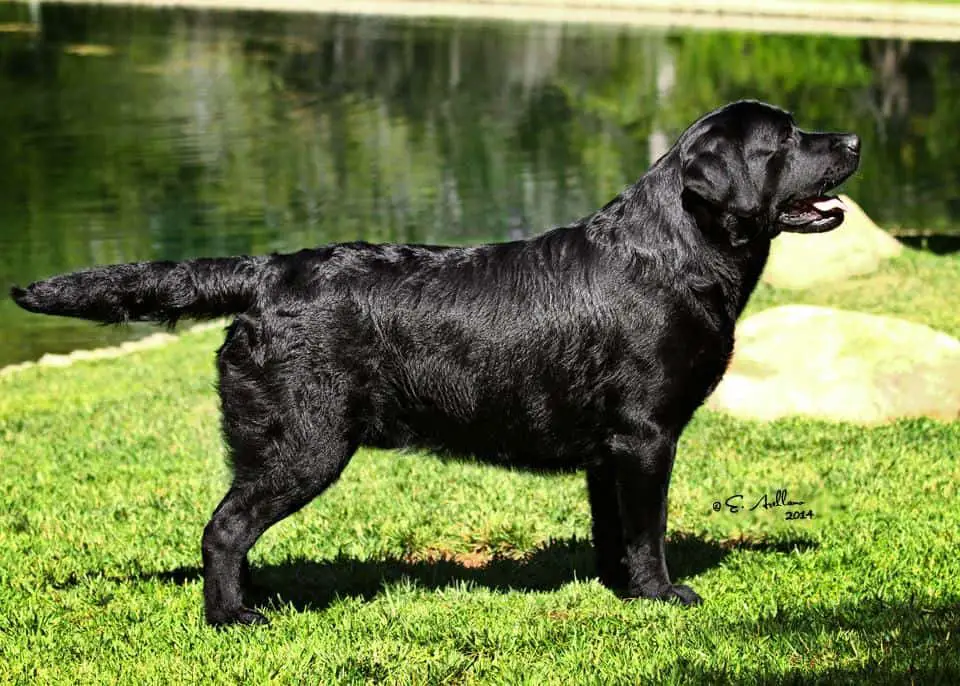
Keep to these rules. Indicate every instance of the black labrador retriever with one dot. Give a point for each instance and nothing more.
(587, 347)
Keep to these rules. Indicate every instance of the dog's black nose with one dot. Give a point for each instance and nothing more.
(850, 141)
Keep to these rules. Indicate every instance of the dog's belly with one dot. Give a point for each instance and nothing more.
(509, 424)
(514, 447)
(539, 417)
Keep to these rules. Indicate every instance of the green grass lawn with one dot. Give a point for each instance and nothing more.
(413, 570)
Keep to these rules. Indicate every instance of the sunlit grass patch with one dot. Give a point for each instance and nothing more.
(417, 570)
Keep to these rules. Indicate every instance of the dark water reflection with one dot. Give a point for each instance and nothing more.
(130, 134)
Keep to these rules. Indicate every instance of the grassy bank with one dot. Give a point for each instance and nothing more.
(415, 570)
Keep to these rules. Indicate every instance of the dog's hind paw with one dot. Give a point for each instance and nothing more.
(678, 593)
(243, 616)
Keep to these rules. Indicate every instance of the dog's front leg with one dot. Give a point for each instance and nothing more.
(642, 463)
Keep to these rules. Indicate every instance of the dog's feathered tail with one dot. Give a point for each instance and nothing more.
(149, 291)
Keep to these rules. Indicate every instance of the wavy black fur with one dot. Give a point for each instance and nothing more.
(588, 347)
(160, 292)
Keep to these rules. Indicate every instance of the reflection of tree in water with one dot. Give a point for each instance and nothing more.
(905, 76)
(891, 88)
(249, 132)
(914, 105)
(215, 133)
(584, 111)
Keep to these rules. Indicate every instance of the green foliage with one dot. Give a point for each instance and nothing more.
(416, 570)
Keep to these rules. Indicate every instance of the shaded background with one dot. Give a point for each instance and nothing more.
(133, 133)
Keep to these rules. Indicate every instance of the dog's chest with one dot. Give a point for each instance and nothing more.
(713, 372)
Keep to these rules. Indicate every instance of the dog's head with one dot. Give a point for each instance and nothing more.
(759, 174)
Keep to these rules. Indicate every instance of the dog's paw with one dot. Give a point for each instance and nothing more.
(678, 593)
(668, 593)
(243, 616)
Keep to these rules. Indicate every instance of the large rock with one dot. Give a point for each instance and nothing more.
(834, 364)
(858, 246)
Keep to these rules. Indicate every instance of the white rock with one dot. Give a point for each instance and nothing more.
(835, 364)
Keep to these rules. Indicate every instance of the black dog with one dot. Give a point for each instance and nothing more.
(588, 347)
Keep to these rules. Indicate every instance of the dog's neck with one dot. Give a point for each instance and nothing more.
(650, 220)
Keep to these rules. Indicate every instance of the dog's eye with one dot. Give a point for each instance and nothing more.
(788, 136)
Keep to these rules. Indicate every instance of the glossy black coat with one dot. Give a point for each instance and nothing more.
(588, 347)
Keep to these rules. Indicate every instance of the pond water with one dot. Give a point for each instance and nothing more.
(132, 134)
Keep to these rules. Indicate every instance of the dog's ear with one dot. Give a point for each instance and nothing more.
(717, 172)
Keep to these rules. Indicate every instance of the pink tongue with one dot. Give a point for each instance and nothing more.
(830, 204)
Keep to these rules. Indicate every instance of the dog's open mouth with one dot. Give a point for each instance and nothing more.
(813, 215)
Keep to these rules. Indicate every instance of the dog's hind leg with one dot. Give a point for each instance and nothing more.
(287, 437)
(643, 462)
(294, 473)
(609, 550)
